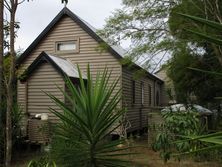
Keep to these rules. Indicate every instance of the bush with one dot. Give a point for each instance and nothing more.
(80, 137)
(42, 162)
(16, 129)
(175, 126)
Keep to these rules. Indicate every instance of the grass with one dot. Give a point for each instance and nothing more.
(145, 158)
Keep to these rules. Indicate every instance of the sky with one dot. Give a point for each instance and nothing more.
(35, 15)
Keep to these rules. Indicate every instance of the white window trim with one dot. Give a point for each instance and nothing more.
(75, 40)
(142, 93)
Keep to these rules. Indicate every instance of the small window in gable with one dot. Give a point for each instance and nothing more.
(64, 46)
(67, 46)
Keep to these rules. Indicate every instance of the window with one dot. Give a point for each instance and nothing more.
(67, 46)
(134, 91)
(142, 93)
(150, 95)
(157, 98)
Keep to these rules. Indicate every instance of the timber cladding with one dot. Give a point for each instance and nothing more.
(45, 77)
(138, 109)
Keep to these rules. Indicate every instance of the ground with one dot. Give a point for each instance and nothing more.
(145, 158)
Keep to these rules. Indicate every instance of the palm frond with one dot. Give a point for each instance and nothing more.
(83, 127)
(206, 37)
(210, 23)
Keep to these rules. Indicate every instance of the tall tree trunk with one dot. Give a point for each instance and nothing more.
(10, 85)
(1, 58)
(1, 77)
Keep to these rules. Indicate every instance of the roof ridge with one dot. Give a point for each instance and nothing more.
(114, 50)
(74, 17)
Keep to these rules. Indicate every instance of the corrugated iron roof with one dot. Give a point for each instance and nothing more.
(66, 66)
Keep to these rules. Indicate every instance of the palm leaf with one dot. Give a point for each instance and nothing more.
(210, 23)
(94, 114)
(206, 37)
(204, 71)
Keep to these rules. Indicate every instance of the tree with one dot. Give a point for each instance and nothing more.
(145, 24)
(210, 141)
(154, 30)
(154, 27)
(194, 51)
(1, 55)
(1, 77)
(11, 6)
(189, 83)
(208, 9)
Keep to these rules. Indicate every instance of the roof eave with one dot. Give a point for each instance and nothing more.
(149, 74)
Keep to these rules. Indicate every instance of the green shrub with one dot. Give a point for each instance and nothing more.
(16, 129)
(42, 162)
(80, 137)
(175, 126)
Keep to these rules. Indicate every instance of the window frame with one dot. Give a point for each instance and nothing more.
(133, 91)
(150, 94)
(64, 41)
(157, 98)
(142, 93)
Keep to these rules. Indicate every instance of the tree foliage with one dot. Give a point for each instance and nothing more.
(204, 9)
(145, 24)
(176, 124)
(211, 141)
(154, 28)
(195, 51)
(189, 83)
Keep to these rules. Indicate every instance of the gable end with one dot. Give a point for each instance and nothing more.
(65, 12)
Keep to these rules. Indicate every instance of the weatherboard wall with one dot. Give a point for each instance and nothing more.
(65, 29)
(32, 93)
(167, 88)
(137, 113)
(44, 79)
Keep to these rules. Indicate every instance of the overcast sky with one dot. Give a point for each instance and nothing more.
(37, 14)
